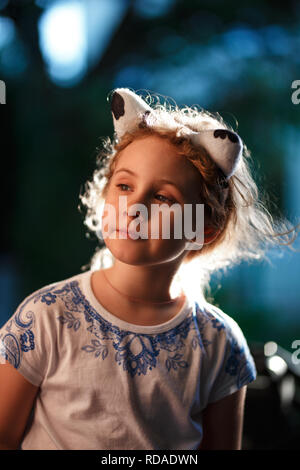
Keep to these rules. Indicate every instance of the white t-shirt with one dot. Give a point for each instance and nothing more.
(108, 384)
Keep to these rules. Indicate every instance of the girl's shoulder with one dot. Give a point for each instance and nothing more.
(228, 360)
(49, 298)
(219, 328)
(214, 316)
(28, 336)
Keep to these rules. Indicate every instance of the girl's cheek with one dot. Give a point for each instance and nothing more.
(109, 216)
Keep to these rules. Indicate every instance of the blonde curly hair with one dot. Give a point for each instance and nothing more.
(236, 208)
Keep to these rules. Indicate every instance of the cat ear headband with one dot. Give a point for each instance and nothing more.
(223, 146)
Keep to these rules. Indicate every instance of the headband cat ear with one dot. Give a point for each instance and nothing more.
(127, 110)
(223, 146)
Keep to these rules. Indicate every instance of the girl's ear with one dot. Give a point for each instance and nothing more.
(209, 235)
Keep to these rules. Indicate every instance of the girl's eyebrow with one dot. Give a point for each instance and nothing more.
(162, 180)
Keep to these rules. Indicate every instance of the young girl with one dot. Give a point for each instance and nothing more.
(129, 354)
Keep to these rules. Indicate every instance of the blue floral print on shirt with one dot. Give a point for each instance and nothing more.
(136, 353)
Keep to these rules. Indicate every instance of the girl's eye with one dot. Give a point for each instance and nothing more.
(119, 185)
(165, 198)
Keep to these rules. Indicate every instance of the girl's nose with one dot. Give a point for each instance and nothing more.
(137, 208)
(132, 214)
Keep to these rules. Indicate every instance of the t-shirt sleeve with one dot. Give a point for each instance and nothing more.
(24, 339)
(237, 367)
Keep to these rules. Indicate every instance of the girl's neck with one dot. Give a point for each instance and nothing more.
(132, 312)
(160, 303)
(150, 285)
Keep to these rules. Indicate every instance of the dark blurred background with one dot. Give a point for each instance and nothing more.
(60, 59)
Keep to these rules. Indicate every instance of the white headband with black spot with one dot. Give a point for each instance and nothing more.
(223, 146)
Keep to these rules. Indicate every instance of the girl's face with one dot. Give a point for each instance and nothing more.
(139, 173)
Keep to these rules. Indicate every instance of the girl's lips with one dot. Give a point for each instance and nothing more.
(124, 231)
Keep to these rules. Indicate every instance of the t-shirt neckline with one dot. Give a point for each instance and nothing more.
(122, 324)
